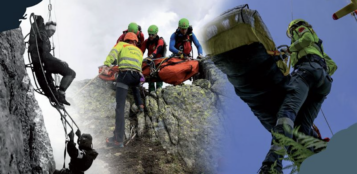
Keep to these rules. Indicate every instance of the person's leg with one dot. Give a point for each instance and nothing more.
(121, 92)
(159, 85)
(295, 97)
(137, 97)
(54, 65)
(151, 86)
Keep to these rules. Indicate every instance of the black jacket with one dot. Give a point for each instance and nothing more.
(81, 160)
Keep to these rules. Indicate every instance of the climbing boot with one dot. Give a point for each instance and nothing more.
(113, 142)
(62, 98)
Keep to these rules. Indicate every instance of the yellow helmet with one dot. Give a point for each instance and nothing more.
(293, 24)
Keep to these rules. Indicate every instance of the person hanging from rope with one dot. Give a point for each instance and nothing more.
(308, 87)
(129, 58)
(181, 40)
(40, 48)
(82, 158)
(156, 47)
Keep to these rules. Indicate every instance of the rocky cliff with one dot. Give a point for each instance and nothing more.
(24, 142)
(186, 120)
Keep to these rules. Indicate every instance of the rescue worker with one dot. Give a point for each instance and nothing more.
(40, 48)
(155, 46)
(129, 58)
(82, 158)
(308, 87)
(135, 28)
(181, 40)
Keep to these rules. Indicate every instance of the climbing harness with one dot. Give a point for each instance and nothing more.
(61, 110)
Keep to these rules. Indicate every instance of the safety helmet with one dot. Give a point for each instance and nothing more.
(293, 25)
(85, 141)
(183, 23)
(153, 29)
(50, 25)
(131, 36)
(133, 27)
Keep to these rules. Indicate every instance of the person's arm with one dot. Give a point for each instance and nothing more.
(113, 54)
(305, 39)
(172, 44)
(197, 44)
(159, 48)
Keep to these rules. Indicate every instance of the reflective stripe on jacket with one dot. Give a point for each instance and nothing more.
(128, 56)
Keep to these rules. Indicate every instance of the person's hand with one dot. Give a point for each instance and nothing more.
(71, 136)
(286, 51)
(151, 56)
(179, 53)
(78, 133)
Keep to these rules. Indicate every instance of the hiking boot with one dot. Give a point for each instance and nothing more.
(113, 142)
(62, 98)
(266, 169)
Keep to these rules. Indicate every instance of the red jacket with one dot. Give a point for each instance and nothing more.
(155, 47)
(139, 34)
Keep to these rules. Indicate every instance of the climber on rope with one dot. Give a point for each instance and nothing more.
(309, 85)
(82, 158)
(129, 58)
(181, 40)
(156, 47)
(40, 48)
(135, 28)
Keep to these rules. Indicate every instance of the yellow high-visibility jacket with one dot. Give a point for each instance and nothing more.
(128, 56)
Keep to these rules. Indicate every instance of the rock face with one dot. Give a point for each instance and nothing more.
(185, 119)
(24, 142)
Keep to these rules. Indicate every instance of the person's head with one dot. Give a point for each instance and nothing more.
(133, 27)
(294, 24)
(183, 25)
(153, 30)
(50, 28)
(131, 38)
(85, 141)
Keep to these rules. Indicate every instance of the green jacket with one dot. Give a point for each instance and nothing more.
(303, 42)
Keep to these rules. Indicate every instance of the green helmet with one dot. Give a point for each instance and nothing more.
(133, 27)
(293, 24)
(183, 23)
(153, 29)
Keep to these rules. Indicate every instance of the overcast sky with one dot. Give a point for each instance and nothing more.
(87, 31)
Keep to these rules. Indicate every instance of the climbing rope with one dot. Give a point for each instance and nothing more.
(291, 4)
(326, 121)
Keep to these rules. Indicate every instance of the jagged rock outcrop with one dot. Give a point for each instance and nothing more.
(185, 119)
(24, 142)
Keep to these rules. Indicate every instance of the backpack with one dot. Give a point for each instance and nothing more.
(164, 47)
(189, 32)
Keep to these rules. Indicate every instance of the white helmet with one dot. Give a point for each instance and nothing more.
(50, 25)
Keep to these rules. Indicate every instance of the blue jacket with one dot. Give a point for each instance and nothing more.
(174, 50)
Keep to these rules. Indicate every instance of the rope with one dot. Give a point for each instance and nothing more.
(292, 16)
(326, 121)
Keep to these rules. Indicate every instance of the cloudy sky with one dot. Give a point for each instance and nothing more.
(87, 30)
